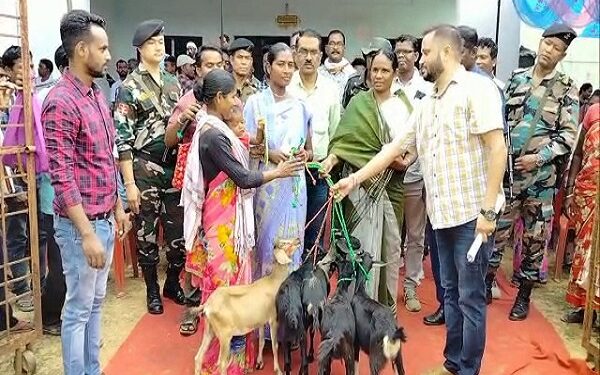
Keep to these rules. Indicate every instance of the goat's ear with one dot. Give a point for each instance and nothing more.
(378, 264)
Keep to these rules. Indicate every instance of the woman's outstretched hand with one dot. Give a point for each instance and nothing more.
(343, 187)
(290, 168)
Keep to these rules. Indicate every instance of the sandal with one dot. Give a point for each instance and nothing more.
(52, 329)
(574, 316)
(189, 323)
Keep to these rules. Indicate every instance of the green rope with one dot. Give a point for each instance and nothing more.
(339, 213)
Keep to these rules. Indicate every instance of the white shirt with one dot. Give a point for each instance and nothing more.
(415, 89)
(499, 83)
(340, 78)
(395, 114)
(446, 130)
(324, 104)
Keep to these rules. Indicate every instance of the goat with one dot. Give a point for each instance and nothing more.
(377, 331)
(337, 324)
(299, 301)
(226, 311)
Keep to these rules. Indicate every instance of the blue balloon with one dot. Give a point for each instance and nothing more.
(591, 31)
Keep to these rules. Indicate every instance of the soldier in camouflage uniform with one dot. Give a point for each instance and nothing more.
(240, 55)
(142, 111)
(542, 111)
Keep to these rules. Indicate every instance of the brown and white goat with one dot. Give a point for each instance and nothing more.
(237, 310)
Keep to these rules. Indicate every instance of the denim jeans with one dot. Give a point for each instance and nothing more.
(86, 289)
(464, 299)
(435, 263)
(17, 248)
(316, 195)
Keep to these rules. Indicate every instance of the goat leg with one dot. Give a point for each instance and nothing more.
(356, 357)
(274, 343)
(224, 351)
(206, 340)
(311, 352)
(398, 363)
(304, 365)
(349, 360)
(260, 363)
(287, 357)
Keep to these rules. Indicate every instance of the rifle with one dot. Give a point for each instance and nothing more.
(509, 180)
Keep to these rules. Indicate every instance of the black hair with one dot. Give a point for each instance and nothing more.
(359, 61)
(310, 33)
(216, 81)
(169, 58)
(336, 31)
(226, 37)
(48, 64)
(10, 56)
(586, 86)
(75, 26)
(489, 43)
(265, 49)
(204, 49)
(132, 60)
(390, 55)
(448, 32)
(275, 50)
(469, 36)
(61, 60)
(411, 39)
(596, 93)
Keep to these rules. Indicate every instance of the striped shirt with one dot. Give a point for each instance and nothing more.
(446, 130)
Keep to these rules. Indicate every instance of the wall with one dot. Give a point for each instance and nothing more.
(482, 15)
(360, 19)
(44, 25)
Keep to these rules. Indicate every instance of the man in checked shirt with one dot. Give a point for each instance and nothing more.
(80, 138)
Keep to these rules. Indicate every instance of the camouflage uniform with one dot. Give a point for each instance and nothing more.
(356, 83)
(553, 139)
(249, 88)
(141, 137)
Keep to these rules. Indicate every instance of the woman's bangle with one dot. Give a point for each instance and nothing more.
(569, 195)
(128, 183)
(353, 180)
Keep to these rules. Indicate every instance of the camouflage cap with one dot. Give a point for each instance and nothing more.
(147, 30)
(377, 44)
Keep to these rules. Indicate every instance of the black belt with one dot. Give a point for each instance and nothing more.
(101, 216)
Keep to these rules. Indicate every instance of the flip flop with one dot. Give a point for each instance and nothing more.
(189, 324)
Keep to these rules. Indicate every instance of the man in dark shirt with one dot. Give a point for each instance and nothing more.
(80, 141)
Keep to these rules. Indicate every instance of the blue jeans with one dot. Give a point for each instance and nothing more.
(435, 263)
(316, 195)
(86, 289)
(464, 299)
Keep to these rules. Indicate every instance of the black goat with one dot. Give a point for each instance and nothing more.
(337, 324)
(377, 331)
(299, 303)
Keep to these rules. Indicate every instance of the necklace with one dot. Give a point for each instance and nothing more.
(279, 96)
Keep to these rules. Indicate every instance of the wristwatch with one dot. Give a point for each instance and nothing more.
(540, 161)
(489, 215)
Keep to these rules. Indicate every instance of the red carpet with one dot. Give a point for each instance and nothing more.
(532, 347)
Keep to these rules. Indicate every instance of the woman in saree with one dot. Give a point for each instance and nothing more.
(280, 205)
(217, 200)
(582, 187)
(374, 213)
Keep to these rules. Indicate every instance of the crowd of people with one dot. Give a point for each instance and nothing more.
(420, 135)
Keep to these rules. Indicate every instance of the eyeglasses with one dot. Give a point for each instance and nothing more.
(404, 52)
(304, 52)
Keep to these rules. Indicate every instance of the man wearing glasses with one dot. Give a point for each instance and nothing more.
(321, 95)
(336, 67)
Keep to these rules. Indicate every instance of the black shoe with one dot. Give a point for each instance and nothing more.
(520, 309)
(574, 316)
(172, 290)
(435, 319)
(153, 301)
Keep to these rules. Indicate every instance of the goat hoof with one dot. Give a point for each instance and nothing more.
(311, 358)
(260, 365)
